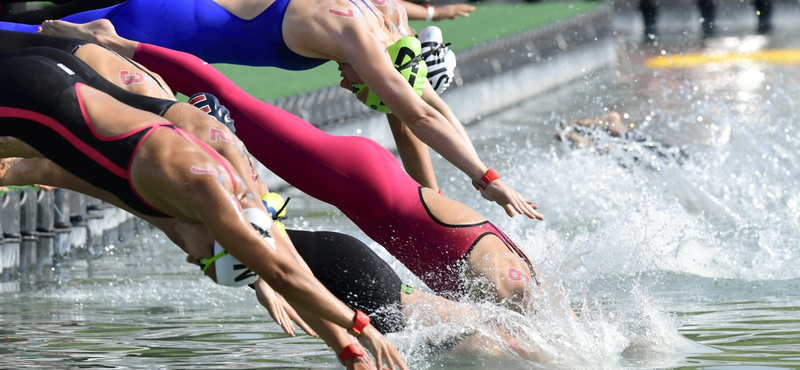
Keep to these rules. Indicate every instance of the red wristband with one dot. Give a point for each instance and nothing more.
(360, 321)
(487, 178)
(352, 350)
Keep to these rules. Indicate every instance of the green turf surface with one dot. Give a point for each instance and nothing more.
(487, 23)
(15, 189)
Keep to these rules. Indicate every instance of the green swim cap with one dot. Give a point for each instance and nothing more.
(405, 54)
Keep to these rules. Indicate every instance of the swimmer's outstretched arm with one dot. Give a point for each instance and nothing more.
(336, 338)
(424, 121)
(414, 154)
(208, 200)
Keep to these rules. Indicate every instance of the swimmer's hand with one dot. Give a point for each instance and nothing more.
(510, 200)
(359, 363)
(452, 11)
(279, 309)
(383, 350)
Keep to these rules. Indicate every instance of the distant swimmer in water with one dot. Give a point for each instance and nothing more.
(299, 35)
(455, 250)
(636, 147)
(142, 163)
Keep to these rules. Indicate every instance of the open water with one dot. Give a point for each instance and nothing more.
(684, 264)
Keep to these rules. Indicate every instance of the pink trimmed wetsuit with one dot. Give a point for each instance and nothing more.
(40, 104)
(355, 174)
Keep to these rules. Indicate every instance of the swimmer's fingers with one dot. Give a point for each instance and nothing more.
(453, 11)
(286, 322)
(358, 363)
(527, 208)
(383, 350)
(297, 320)
(274, 305)
(282, 310)
(510, 200)
(278, 313)
(463, 10)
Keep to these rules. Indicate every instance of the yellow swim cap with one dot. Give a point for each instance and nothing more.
(276, 207)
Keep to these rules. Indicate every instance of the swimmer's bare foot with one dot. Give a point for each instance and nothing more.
(7, 176)
(26, 171)
(45, 187)
(100, 32)
(94, 31)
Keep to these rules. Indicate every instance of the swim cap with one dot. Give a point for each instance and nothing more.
(405, 54)
(210, 104)
(229, 270)
(441, 61)
(276, 207)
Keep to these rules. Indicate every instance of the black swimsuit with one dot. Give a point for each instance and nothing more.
(40, 105)
(61, 50)
(354, 274)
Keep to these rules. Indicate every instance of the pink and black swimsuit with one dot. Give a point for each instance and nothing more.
(41, 106)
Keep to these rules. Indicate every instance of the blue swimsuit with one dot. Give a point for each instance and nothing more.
(202, 28)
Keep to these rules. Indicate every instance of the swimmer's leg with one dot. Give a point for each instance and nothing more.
(36, 17)
(45, 173)
(13, 41)
(95, 80)
(92, 31)
(85, 17)
(101, 32)
(10, 172)
(77, 18)
(8, 26)
(22, 165)
(31, 171)
(12, 147)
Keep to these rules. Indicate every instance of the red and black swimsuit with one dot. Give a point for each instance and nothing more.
(40, 105)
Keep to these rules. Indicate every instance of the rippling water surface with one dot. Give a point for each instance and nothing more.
(670, 265)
